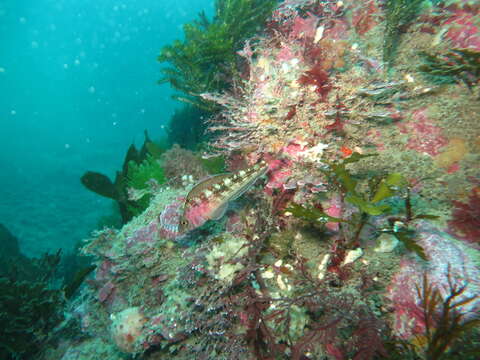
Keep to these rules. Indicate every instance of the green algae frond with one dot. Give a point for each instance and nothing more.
(206, 60)
(398, 15)
(139, 177)
(456, 65)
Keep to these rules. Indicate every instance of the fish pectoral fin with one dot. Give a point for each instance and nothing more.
(218, 213)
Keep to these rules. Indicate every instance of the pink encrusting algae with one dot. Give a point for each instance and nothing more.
(424, 135)
(169, 219)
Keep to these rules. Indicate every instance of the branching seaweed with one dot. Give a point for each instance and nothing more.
(456, 65)
(187, 127)
(206, 60)
(398, 15)
(446, 325)
(444, 321)
(31, 305)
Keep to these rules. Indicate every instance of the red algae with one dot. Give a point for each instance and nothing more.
(465, 222)
(424, 135)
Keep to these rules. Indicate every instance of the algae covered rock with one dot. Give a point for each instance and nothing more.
(127, 327)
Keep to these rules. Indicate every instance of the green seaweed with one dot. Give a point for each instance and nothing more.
(118, 189)
(456, 65)
(407, 237)
(214, 165)
(389, 186)
(139, 176)
(399, 226)
(370, 200)
(311, 214)
(341, 176)
(206, 60)
(398, 15)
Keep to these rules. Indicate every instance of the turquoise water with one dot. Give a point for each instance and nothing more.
(78, 86)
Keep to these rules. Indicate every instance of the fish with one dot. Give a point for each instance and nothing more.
(209, 199)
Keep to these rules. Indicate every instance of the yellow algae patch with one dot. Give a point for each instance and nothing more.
(334, 51)
(455, 151)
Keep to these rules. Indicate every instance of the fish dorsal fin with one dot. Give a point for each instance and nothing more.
(205, 184)
(247, 185)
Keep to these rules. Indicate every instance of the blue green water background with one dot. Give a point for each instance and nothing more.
(77, 87)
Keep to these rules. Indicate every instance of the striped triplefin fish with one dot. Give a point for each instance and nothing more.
(208, 200)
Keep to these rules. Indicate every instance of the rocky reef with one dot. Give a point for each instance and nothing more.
(360, 242)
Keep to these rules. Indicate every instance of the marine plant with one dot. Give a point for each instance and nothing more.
(118, 189)
(9, 247)
(304, 318)
(34, 295)
(29, 306)
(446, 324)
(369, 202)
(206, 60)
(398, 15)
(455, 65)
(187, 126)
(140, 177)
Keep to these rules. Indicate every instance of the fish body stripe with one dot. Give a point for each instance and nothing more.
(208, 199)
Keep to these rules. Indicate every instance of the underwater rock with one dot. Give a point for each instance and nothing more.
(387, 243)
(352, 256)
(220, 259)
(364, 17)
(178, 162)
(93, 348)
(455, 151)
(465, 221)
(313, 94)
(126, 328)
(143, 239)
(424, 135)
